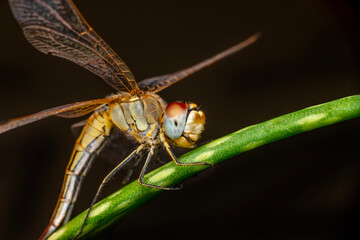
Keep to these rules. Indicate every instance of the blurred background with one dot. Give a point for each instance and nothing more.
(303, 187)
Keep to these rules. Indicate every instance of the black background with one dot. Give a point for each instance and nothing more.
(304, 187)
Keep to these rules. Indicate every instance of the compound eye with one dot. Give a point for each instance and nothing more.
(175, 119)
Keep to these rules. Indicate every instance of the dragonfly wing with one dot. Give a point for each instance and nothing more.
(156, 84)
(69, 110)
(58, 28)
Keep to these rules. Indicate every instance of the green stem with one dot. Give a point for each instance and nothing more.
(114, 207)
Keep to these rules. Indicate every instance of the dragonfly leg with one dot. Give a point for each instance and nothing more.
(143, 171)
(106, 180)
(174, 158)
(131, 171)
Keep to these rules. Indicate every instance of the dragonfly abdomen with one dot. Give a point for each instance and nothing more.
(93, 136)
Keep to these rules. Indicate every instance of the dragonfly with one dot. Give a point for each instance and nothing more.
(56, 27)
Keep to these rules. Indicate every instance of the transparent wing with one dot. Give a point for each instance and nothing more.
(57, 27)
(69, 110)
(156, 84)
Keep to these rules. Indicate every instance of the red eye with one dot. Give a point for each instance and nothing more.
(175, 109)
(175, 119)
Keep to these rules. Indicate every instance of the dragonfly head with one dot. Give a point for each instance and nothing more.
(183, 123)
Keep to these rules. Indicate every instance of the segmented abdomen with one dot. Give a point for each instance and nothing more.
(92, 138)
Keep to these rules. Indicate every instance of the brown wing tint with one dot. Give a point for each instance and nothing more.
(69, 110)
(57, 27)
(156, 84)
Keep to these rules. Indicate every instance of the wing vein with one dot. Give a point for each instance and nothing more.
(55, 14)
(59, 28)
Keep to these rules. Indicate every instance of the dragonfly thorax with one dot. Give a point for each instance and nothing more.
(138, 116)
(147, 119)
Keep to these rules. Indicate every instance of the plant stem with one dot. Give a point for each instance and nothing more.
(114, 207)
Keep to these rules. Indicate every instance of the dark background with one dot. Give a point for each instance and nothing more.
(304, 187)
